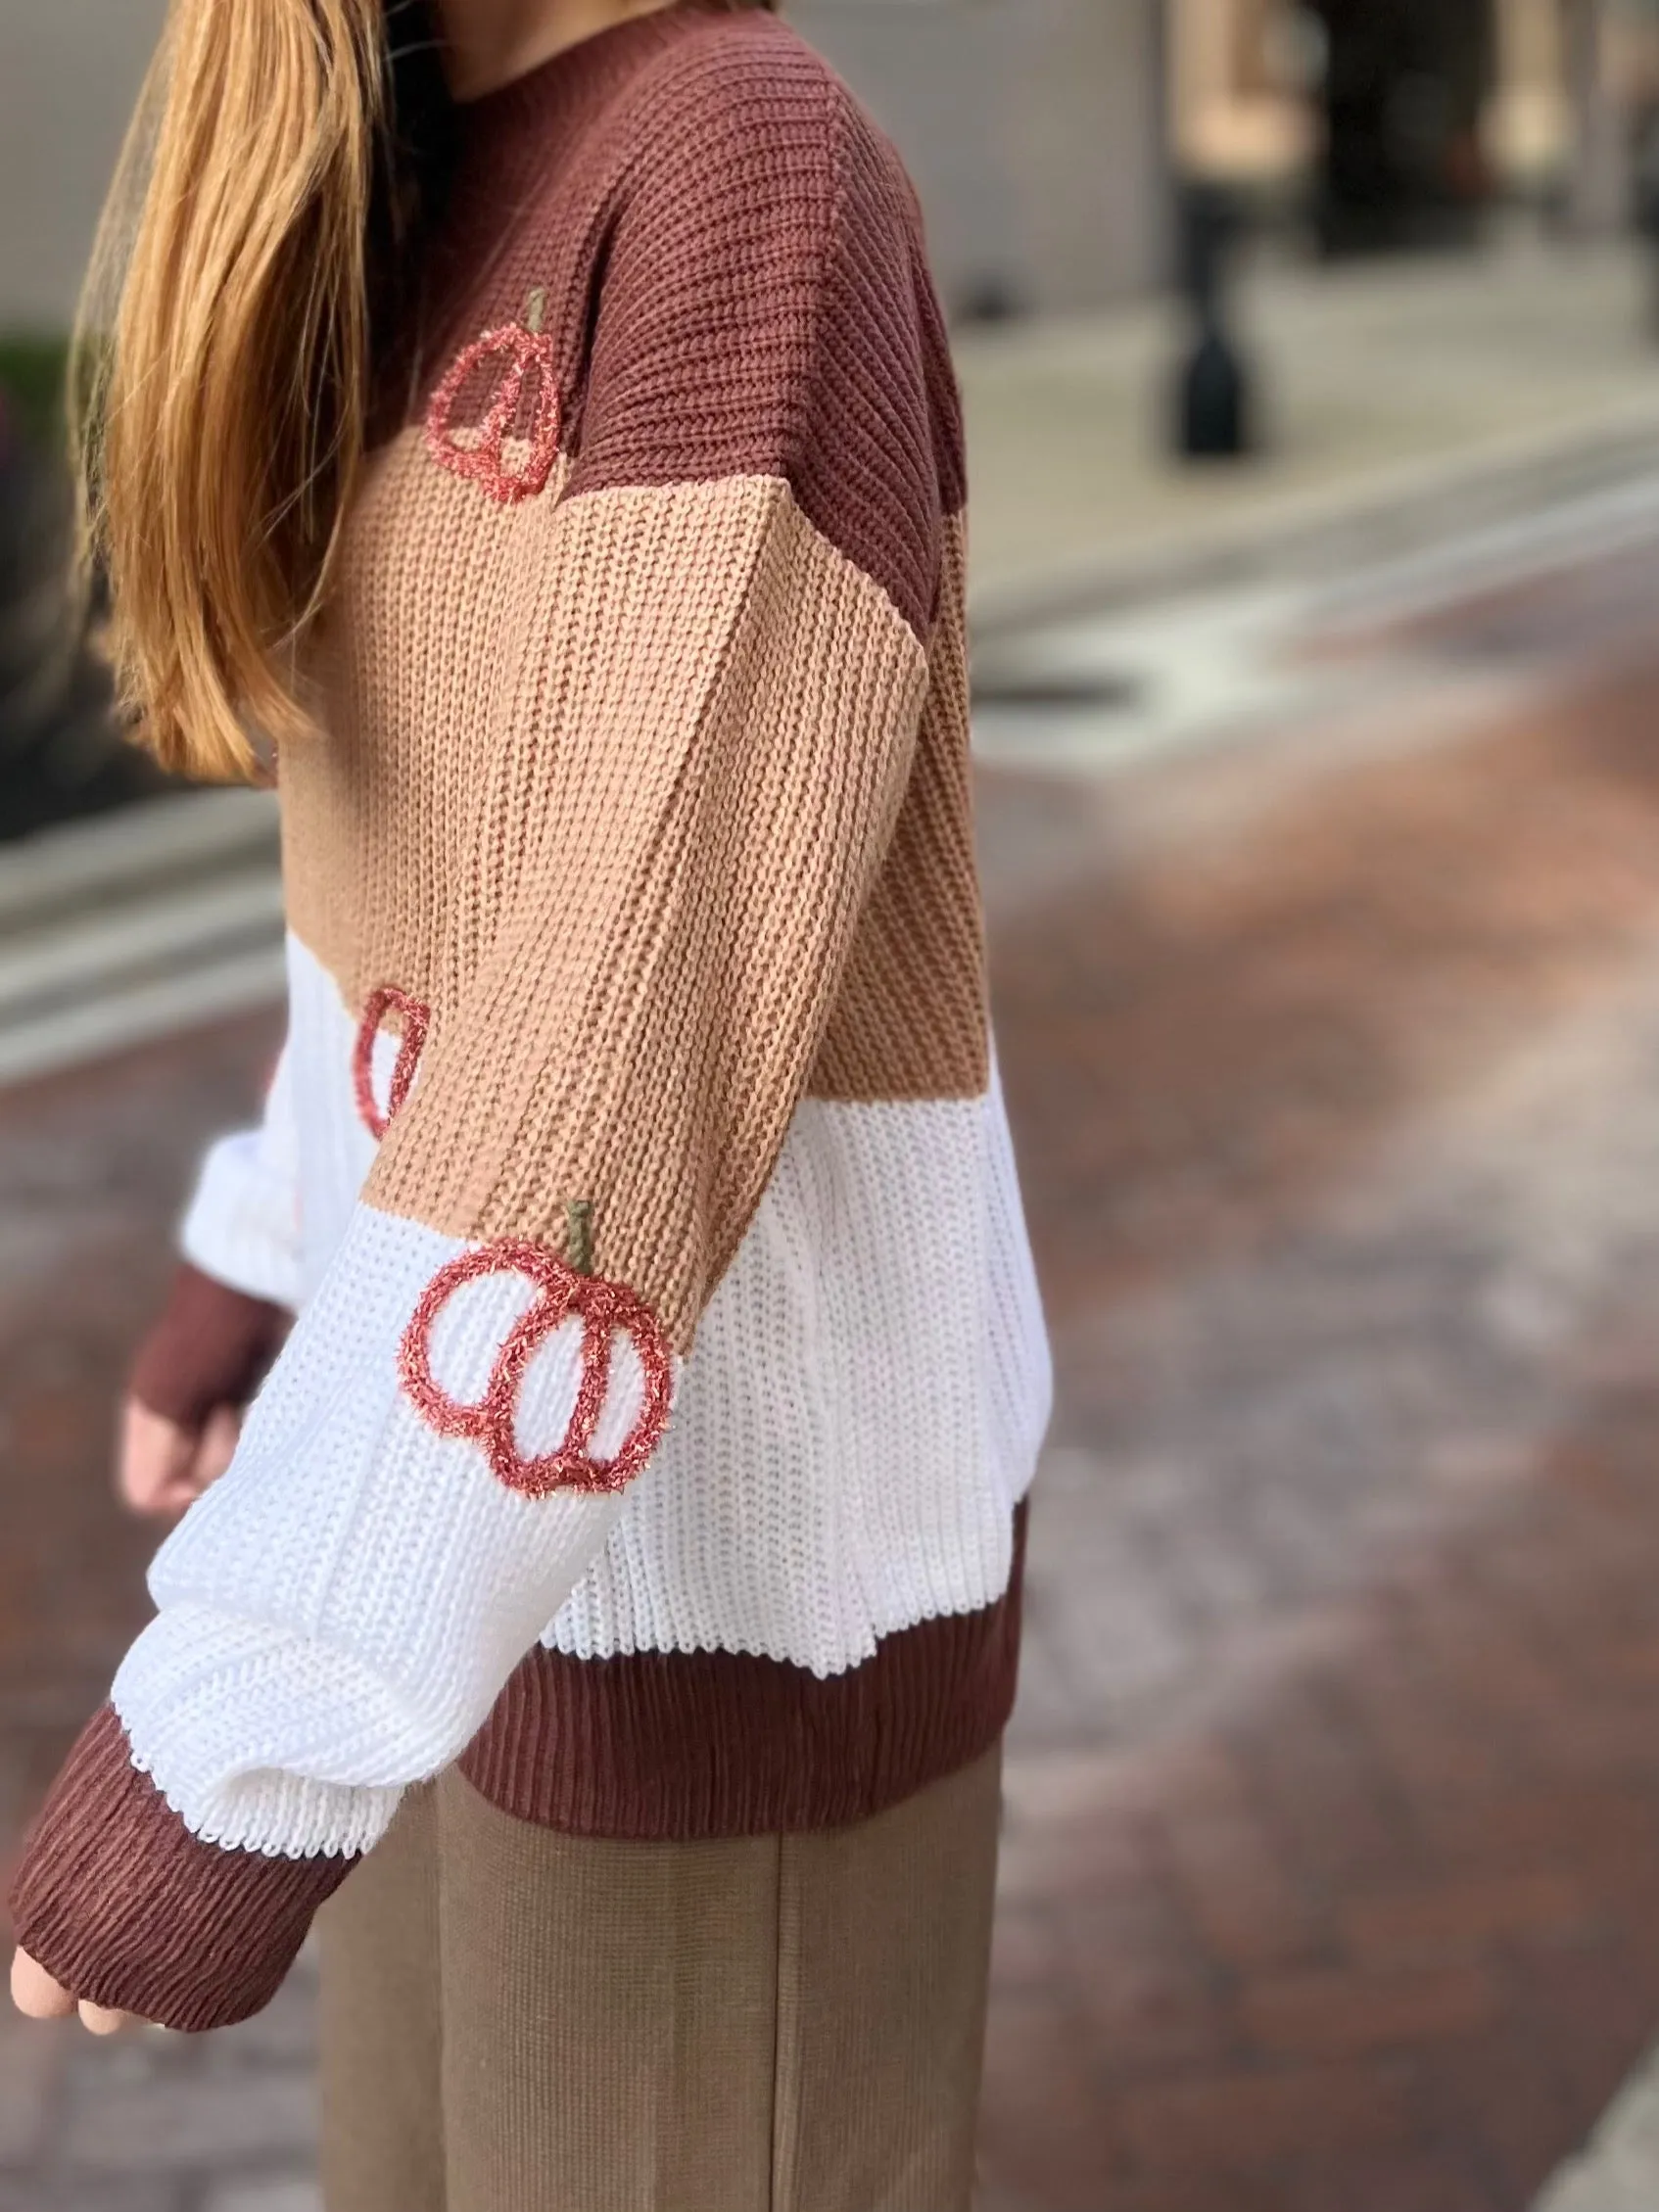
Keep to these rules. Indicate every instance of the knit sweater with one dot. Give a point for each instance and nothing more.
(636, 1165)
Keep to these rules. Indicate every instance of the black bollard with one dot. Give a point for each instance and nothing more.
(1646, 195)
(1213, 413)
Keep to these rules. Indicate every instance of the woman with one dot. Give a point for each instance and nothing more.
(613, 1592)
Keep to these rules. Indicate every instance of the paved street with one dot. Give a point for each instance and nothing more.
(1332, 1869)
(1332, 1878)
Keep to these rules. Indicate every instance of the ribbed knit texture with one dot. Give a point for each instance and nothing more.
(125, 1907)
(639, 1062)
(706, 1744)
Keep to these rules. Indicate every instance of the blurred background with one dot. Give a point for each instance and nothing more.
(1311, 362)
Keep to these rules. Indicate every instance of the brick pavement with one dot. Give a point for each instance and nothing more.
(1333, 1870)
(1332, 1873)
(91, 1167)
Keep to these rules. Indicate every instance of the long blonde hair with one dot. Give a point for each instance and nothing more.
(220, 410)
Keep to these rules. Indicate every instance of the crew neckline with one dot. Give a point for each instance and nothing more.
(534, 87)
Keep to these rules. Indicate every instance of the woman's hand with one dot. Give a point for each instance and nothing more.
(39, 1998)
(196, 1370)
(164, 1464)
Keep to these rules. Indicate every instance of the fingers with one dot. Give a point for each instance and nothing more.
(162, 1468)
(41, 1996)
(156, 1457)
(36, 1993)
(216, 1448)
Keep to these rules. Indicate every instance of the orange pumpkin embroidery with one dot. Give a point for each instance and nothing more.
(417, 1019)
(604, 1308)
(520, 357)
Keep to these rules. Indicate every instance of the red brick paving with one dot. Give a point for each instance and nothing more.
(1332, 1872)
(1334, 1858)
(91, 1172)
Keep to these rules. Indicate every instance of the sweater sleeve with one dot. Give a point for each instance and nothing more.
(238, 1281)
(242, 1227)
(701, 761)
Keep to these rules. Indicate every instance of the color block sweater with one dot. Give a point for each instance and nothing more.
(668, 1371)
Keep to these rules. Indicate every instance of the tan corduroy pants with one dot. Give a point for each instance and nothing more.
(520, 2021)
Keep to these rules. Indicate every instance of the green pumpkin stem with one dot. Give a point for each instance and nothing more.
(578, 1240)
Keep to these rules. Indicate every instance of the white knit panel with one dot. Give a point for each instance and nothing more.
(336, 1150)
(339, 1614)
(1018, 1365)
(242, 1224)
(865, 1403)
(861, 1412)
(863, 1409)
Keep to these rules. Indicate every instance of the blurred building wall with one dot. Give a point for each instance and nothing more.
(1035, 131)
(68, 76)
(1034, 128)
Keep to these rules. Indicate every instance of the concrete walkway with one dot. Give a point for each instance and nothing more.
(1397, 402)
(1619, 2171)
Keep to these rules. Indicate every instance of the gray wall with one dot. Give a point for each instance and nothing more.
(69, 71)
(1030, 124)
(1034, 128)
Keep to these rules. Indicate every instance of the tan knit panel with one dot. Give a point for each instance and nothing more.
(621, 840)
(715, 810)
(389, 863)
(911, 1020)
(381, 813)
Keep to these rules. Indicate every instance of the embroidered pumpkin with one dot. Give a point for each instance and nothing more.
(604, 1309)
(511, 450)
(417, 1019)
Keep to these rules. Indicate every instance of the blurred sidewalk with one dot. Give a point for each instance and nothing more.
(1398, 400)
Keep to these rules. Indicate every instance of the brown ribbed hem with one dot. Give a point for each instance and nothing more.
(124, 1906)
(690, 1746)
(211, 1347)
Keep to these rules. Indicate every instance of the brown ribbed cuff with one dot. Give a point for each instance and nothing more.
(211, 1347)
(124, 1906)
